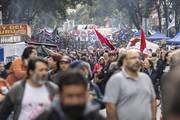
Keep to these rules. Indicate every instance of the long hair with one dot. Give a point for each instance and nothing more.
(151, 64)
(57, 58)
(27, 52)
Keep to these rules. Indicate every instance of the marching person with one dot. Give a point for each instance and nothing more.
(151, 72)
(3, 72)
(170, 88)
(29, 97)
(72, 102)
(64, 63)
(18, 67)
(130, 94)
(53, 63)
(170, 94)
(4, 88)
(95, 94)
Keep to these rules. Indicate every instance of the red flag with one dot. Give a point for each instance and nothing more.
(133, 41)
(143, 41)
(104, 40)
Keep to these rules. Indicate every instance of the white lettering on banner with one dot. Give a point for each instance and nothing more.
(10, 39)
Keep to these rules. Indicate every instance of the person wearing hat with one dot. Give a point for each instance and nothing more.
(64, 63)
(85, 69)
(94, 92)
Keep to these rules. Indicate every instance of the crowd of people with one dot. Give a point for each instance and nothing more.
(76, 85)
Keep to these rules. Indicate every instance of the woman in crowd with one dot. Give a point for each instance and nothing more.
(18, 67)
(99, 73)
(58, 65)
(163, 63)
(151, 72)
(53, 62)
(167, 61)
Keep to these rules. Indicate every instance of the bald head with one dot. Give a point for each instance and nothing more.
(132, 52)
(122, 51)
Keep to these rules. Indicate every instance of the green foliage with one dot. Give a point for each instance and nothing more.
(18, 11)
(148, 7)
(52, 12)
(95, 13)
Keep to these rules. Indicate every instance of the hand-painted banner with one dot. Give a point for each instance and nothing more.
(15, 30)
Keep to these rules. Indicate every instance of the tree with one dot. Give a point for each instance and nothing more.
(154, 5)
(94, 13)
(134, 10)
(158, 9)
(176, 7)
(102, 8)
(17, 11)
(166, 5)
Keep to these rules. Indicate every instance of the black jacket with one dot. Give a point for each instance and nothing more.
(3, 74)
(54, 112)
(155, 80)
(13, 100)
(152, 75)
(54, 77)
(161, 64)
(104, 75)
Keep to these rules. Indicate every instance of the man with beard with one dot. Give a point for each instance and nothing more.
(130, 94)
(28, 98)
(72, 102)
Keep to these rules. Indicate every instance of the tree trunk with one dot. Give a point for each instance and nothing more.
(177, 21)
(159, 16)
(136, 23)
(165, 7)
(134, 16)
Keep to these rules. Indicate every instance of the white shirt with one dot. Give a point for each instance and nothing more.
(34, 102)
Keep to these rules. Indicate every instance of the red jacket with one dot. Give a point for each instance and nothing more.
(97, 68)
(17, 71)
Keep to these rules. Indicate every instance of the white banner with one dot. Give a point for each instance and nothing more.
(12, 50)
